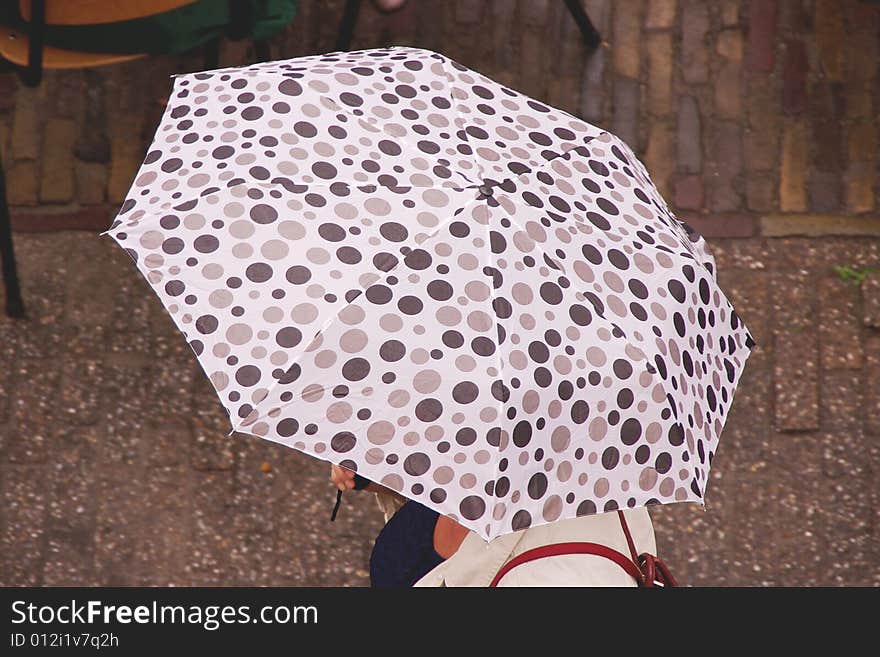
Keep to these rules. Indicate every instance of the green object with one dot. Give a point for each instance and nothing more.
(178, 30)
(849, 273)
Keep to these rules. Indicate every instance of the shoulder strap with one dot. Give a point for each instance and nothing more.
(629, 538)
(557, 549)
(654, 571)
(643, 569)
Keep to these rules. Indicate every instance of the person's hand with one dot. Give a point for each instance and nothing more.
(342, 478)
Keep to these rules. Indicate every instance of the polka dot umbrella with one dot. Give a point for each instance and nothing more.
(393, 263)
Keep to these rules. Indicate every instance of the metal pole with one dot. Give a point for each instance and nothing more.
(32, 75)
(591, 36)
(346, 27)
(14, 303)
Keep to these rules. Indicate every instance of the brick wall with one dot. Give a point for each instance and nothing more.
(753, 117)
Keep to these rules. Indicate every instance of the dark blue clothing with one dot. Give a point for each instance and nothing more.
(404, 550)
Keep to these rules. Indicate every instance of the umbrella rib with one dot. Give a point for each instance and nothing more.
(675, 225)
(335, 316)
(501, 401)
(566, 155)
(450, 78)
(598, 314)
(647, 358)
(398, 140)
(156, 213)
(339, 108)
(556, 260)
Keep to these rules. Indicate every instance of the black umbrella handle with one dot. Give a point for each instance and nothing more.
(359, 484)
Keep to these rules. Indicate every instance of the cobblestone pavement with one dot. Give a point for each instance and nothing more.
(756, 119)
(115, 466)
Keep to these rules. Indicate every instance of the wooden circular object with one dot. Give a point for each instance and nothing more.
(95, 12)
(14, 47)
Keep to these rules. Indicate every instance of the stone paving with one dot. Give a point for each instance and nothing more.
(116, 468)
(738, 107)
(116, 465)
(758, 121)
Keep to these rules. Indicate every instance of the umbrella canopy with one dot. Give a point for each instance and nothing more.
(393, 263)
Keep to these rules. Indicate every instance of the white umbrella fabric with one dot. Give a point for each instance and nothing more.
(393, 263)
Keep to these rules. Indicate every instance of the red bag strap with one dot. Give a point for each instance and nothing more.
(646, 569)
(629, 538)
(653, 570)
(557, 549)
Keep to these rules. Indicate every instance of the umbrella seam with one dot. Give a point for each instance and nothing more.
(522, 95)
(543, 165)
(143, 270)
(562, 155)
(229, 410)
(450, 79)
(335, 317)
(482, 174)
(337, 107)
(629, 341)
(501, 402)
(271, 184)
(626, 338)
(398, 140)
(677, 227)
(675, 224)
